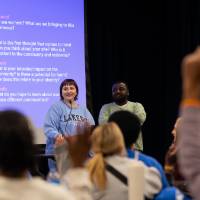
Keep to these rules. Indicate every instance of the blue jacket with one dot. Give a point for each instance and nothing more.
(150, 162)
(167, 193)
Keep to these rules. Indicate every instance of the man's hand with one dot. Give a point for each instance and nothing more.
(191, 75)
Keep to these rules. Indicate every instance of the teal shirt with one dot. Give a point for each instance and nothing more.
(134, 107)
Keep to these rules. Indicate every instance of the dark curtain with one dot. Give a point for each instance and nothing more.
(141, 42)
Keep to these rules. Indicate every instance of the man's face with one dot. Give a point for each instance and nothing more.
(174, 131)
(120, 92)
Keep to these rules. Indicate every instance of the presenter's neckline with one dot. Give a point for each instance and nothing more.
(74, 105)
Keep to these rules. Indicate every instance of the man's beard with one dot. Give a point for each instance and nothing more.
(120, 100)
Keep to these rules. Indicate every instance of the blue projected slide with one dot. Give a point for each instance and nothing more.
(41, 44)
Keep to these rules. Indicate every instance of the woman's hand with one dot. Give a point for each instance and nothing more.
(59, 140)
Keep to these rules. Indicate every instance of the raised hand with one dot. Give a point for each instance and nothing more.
(79, 145)
(191, 75)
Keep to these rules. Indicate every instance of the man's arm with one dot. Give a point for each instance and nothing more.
(103, 115)
(140, 112)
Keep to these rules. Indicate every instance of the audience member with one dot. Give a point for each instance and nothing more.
(172, 168)
(189, 128)
(109, 149)
(63, 159)
(171, 165)
(120, 94)
(130, 126)
(78, 147)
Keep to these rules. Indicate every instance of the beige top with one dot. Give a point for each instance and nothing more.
(134, 107)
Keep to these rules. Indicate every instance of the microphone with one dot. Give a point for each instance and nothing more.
(70, 102)
(70, 112)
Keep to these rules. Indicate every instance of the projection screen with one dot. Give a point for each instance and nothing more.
(41, 44)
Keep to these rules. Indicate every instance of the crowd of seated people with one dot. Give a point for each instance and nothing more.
(89, 161)
(109, 150)
(17, 160)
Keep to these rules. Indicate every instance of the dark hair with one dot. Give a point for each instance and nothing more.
(120, 81)
(129, 125)
(16, 144)
(68, 82)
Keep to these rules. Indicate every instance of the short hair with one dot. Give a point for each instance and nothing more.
(128, 123)
(120, 81)
(16, 143)
(69, 82)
